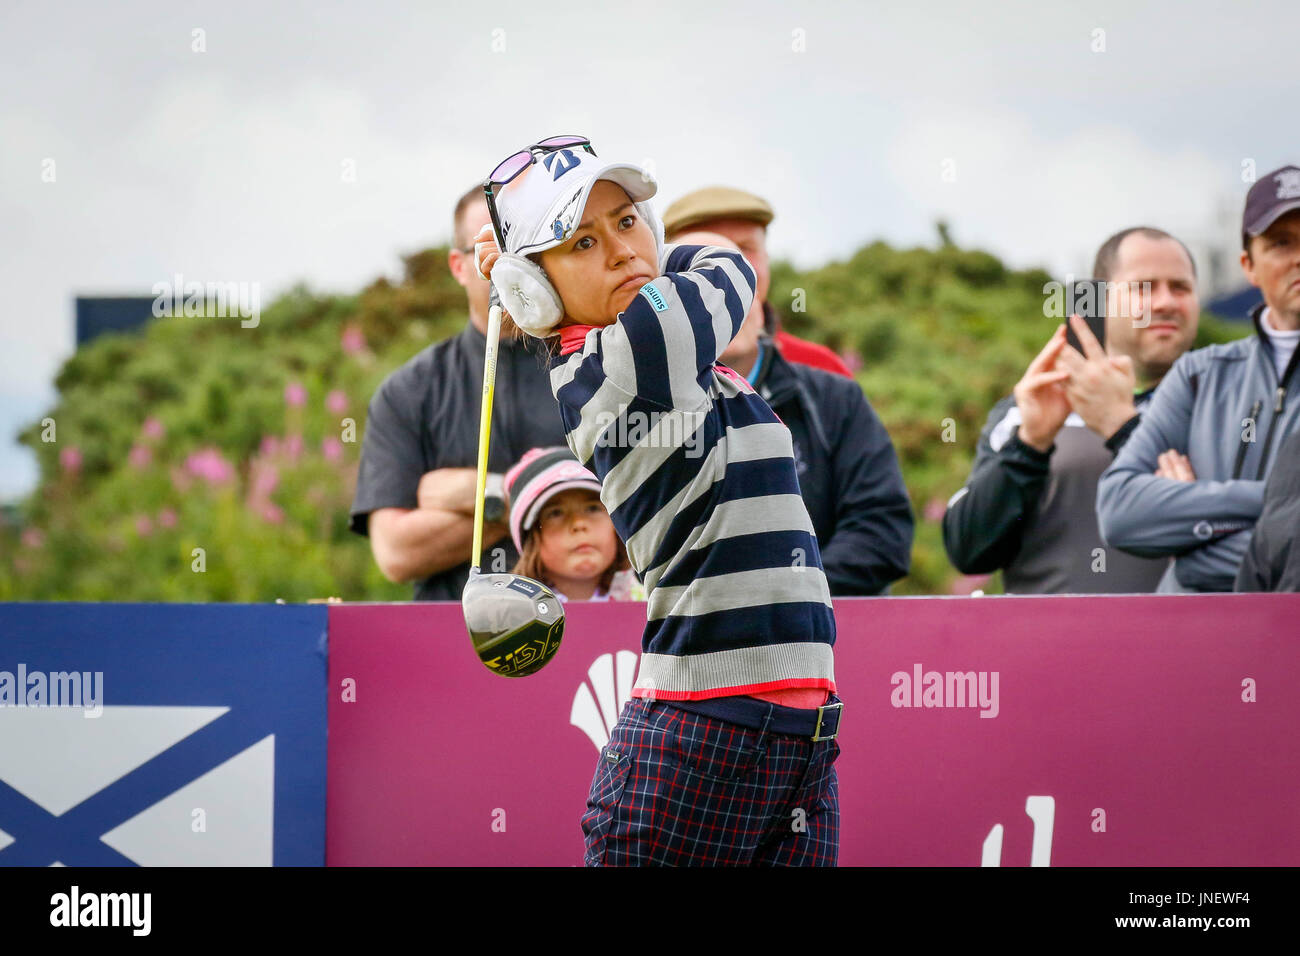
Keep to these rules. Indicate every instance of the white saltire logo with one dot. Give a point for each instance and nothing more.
(596, 708)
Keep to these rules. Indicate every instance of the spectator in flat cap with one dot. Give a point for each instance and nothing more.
(1190, 481)
(743, 218)
(849, 476)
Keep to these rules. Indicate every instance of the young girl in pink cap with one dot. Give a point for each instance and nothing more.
(562, 531)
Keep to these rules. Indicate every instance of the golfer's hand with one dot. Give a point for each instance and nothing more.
(1176, 466)
(1100, 388)
(1040, 396)
(486, 255)
(486, 251)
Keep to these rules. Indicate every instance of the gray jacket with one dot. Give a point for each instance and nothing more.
(1225, 409)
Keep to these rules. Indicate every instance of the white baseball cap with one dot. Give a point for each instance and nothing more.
(542, 206)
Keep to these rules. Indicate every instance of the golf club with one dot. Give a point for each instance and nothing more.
(515, 622)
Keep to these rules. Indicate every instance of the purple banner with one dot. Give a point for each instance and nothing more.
(1081, 731)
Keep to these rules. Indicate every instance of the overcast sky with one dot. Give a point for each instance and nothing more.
(227, 164)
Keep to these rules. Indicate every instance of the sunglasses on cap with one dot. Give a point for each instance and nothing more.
(509, 169)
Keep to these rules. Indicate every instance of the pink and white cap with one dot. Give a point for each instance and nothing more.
(537, 477)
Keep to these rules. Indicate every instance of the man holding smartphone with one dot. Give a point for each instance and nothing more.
(1028, 507)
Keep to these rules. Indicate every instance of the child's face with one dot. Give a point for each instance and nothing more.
(577, 538)
(606, 261)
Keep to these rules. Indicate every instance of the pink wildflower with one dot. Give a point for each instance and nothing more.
(208, 464)
(352, 340)
(140, 456)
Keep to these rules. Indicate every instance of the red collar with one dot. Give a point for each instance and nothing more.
(572, 337)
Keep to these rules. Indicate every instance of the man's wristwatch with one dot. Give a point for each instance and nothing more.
(494, 500)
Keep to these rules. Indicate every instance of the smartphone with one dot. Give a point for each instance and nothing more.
(1089, 303)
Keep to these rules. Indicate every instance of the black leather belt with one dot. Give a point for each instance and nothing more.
(817, 723)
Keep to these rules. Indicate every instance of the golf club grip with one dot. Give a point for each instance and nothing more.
(485, 421)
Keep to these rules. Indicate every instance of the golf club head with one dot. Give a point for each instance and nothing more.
(515, 622)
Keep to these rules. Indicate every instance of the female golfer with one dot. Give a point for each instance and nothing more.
(725, 753)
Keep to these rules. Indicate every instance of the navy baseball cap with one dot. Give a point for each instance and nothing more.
(1272, 197)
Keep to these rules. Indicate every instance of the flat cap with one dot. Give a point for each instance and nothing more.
(715, 202)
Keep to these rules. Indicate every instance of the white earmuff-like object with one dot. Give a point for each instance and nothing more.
(657, 227)
(527, 295)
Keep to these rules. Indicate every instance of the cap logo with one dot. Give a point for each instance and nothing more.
(562, 226)
(1288, 184)
(568, 469)
(559, 162)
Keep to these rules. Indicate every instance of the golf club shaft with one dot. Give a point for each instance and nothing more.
(485, 424)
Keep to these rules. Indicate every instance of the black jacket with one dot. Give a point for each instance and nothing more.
(848, 474)
(1272, 562)
(1031, 514)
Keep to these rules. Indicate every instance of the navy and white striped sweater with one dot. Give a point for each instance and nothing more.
(698, 475)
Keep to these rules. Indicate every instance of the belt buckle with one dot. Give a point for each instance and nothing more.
(821, 714)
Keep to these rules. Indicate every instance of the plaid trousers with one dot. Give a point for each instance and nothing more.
(674, 788)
